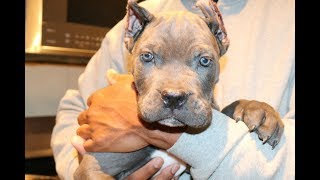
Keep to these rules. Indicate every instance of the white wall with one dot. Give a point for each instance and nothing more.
(45, 85)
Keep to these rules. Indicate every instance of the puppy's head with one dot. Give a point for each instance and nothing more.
(174, 58)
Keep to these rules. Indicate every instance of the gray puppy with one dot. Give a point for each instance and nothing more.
(174, 58)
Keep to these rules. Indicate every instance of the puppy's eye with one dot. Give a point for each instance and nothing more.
(205, 62)
(146, 57)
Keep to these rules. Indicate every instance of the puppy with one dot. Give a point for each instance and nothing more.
(174, 58)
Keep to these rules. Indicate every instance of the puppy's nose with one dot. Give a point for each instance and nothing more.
(173, 99)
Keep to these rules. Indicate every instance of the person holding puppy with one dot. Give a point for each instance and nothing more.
(258, 65)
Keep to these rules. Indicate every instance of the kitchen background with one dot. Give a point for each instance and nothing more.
(60, 38)
(45, 84)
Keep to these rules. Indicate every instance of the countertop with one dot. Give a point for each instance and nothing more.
(57, 59)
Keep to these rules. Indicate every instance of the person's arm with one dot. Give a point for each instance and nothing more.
(110, 55)
(65, 156)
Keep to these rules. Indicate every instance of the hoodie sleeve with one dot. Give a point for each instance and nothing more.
(226, 150)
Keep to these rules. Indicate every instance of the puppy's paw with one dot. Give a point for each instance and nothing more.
(113, 77)
(260, 117)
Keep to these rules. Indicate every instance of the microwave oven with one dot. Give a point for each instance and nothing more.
(69, 27)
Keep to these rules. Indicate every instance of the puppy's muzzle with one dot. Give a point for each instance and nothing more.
(173, 99)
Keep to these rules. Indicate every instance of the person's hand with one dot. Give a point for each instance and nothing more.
(112, 118)
(145, 172)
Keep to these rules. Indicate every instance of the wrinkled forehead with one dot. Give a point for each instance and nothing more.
(178, 29)
(179, 23)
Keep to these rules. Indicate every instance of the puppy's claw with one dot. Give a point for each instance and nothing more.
(264, 140)
(238, 119)
(275, 142)
(252, 128)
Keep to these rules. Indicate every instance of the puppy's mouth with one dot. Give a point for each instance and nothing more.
(171, 122)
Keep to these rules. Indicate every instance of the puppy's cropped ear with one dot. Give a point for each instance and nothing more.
(136, 19)
(215, 22)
